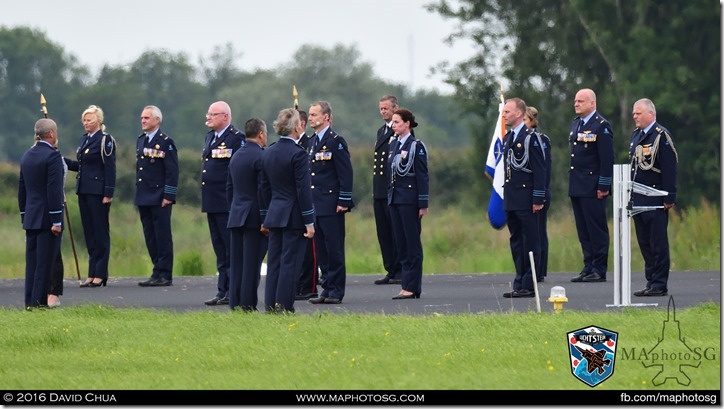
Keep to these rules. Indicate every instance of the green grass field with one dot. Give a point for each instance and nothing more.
(95, 347)
(454, 241)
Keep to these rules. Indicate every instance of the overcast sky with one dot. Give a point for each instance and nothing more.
(398, 37)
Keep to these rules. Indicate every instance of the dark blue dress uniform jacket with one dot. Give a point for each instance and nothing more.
(591, 164)
(215, 168)
(414, 188)
(665, 161)
(521, 189)
(248, 205)
(331, 171)
(156, 170)
(96, 165)
(380, 167)
(40, 187)
(290, 204)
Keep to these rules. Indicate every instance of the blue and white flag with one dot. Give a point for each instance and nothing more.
(494, 170)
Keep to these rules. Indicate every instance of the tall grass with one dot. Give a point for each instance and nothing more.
(455, 240)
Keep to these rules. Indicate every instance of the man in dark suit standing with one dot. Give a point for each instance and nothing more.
(309, 276)
(332, 193)
(589, 184)
(654, 163)
(220, 144)
(524, 193)
(290, 217)
(156, 186)
(380, 184)
(244, 193)
(40, 199)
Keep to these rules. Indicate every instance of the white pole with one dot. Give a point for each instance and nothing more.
(535, 281)
(622, 236)
(622, 187)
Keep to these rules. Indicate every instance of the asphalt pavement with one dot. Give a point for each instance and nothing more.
(441, 293)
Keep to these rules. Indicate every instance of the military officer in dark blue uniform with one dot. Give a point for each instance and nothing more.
(524, 193)
(654, 162)
(331, 172)
(531, 121)
(589, 184)
(309, 275)
(244, 192)
(290, 216)
(380, 184)
(220, 144)
(95, 185)
(408, 196)
(40, 199)
(156, 187)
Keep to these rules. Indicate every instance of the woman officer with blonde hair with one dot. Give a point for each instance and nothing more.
(95, 185)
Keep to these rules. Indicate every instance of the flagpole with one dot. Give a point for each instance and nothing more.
(44, 110)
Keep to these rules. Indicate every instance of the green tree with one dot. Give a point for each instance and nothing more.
(548, 49)
(31, 64)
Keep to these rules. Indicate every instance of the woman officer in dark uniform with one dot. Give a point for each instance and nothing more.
(95, 183)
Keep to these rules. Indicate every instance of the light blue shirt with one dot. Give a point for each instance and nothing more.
(150, 135)
(585, 120)
(320, 133)
(517, 129)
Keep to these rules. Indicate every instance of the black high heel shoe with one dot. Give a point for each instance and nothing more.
(101, 284)
(406, 296)
(87, 284)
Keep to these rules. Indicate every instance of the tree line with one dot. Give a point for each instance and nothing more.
(546, 50)
(668, 52)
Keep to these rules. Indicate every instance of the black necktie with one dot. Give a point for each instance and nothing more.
(315, 139)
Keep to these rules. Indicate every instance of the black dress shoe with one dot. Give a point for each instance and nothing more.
(579, 277)
(300, 297)
(213, 301)
(383, 280)
(519, 294)
(325, 300)
(406, 296)
(223, 301)
(395, 281)
(654, 292)
(156, 282)
(594, 278)
(640, 293)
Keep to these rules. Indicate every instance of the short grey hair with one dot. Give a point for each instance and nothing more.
(286, 121)
(647, 104)
(43, 126)
(155, 111)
